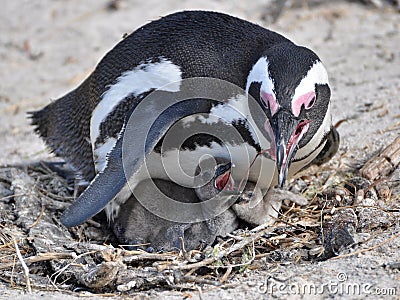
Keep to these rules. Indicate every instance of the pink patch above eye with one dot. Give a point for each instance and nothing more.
(270, 102)
(307, 100)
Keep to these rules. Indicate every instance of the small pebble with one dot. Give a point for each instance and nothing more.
(368, 202)
(370, 218)
(5, 192)
(127, 286)
(356, 183)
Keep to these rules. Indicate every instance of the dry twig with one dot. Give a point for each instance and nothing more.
(41, 257)
(24, 266)
(257, 233)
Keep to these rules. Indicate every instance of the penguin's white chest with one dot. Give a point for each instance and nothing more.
(179, 166)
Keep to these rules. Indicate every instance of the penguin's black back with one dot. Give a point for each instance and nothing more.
(201, 43)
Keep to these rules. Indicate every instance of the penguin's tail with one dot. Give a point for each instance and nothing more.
(65, 127)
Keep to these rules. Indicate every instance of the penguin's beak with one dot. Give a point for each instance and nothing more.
(288, 131)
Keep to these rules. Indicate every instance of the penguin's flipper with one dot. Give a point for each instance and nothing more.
(104, 187)
(330, 148)
(135, 142)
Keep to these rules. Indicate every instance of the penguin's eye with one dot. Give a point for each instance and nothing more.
(311, 103)
(269, 102)
(221, 169)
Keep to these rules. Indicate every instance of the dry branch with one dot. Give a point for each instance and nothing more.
(40, 257)
(258, 232)
(384, 163)
(24, 266)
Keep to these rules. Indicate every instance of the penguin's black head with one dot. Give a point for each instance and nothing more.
(291, 85)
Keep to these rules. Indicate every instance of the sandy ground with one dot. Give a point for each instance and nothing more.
(48, 47)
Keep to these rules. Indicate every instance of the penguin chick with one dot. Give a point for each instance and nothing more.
(137, 225)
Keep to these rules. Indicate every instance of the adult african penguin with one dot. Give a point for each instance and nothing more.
(132, 95)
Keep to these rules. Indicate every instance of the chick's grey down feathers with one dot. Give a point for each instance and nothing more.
(137, 225)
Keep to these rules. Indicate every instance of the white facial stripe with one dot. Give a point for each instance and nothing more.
(141, 79)
(259, 73)
(316, 75)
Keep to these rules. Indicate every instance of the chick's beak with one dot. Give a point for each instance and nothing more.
(223, 178)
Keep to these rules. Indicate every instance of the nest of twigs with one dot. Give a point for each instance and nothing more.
(37, 252)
